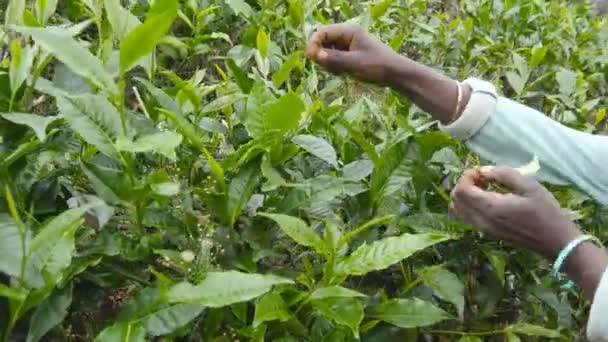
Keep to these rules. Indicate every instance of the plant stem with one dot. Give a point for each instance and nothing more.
(463, 333)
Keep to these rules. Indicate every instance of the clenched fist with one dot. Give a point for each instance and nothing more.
(348, 48)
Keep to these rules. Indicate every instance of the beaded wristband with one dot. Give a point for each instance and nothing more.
(565, 252)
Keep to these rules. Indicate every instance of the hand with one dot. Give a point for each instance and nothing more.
(347, 48)
(529, 216)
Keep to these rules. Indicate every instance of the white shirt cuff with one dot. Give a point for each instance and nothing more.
(477, 111)
(597, 327)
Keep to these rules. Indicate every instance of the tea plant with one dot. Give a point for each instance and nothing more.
(178, 169)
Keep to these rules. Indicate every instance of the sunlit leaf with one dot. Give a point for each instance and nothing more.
(382, 253)
(36, 122)
(143, 39)
(60, 43)
(347, 311)
(270, 307)
(220, 289)
(318, 147)
(296, 229)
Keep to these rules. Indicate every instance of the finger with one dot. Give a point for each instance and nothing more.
(469, 193)
(512, 179)
(337, 36)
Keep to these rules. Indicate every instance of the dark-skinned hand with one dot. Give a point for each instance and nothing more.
(349, 48)
(528, 215)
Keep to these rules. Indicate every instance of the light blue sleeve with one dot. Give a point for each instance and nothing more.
(512, 134)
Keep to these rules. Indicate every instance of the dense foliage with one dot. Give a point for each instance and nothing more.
(180, 170)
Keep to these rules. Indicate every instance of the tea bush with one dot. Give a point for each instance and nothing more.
(179, 171)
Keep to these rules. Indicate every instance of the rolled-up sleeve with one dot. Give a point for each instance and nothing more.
(509, 133)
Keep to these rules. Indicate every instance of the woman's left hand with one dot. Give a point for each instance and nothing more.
(529, 216)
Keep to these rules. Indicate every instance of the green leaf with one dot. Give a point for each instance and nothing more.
(380, 8)
(164, 142)
(50, 251)
(169, 319)
(273, 176)
(49, 314)
(240, 7)
(14, 12)
(566, 80)
(357, 170)
(334, 292)
(242, 80)
(346, 311)
(222, 102)
(95, 119)
(386, 166)
(111, 184)
(12, 293)
(45, 9)
(10, 245)
(21, 63)
(446, 286)
(409, 313)
(318, 147)
(292, 62)
(143, 39)
(470, 339)
(60, 43)
(221, 289)
(516, 82)
(240, 190)
(538, 55)
(532, 330)
(121, 20)
(262, 42)
(296, 229)
(167, 189)
(123, 332)
(284, 114)
(36, 122)
(190, 133)
(383, 253)
(270, 307)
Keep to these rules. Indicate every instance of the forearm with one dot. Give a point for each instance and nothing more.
(428, 89)
(586, 265)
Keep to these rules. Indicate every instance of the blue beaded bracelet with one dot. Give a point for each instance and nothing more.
(565, 252)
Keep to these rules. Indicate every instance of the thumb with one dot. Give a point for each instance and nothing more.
(512, 179)
(336, 61)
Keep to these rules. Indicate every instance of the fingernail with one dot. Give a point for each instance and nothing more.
(322, 54)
